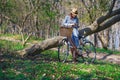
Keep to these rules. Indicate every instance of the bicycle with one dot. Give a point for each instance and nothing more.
(88, 51)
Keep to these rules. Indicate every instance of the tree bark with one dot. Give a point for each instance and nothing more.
(42, 46)
(104, 38)
(95, 27)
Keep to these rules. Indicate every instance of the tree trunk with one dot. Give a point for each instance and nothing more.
(42, 46)
(104, 38)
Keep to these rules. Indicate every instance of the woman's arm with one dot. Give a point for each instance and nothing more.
(76, 23)
(66, 22)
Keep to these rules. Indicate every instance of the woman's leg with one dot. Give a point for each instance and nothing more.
(75, 40)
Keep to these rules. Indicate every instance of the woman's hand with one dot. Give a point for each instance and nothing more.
(73, 25)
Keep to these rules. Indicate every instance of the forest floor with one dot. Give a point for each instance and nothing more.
(110, 57)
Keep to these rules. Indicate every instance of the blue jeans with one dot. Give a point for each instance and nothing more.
(75, 40)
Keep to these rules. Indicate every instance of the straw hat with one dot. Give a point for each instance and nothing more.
(74, 11)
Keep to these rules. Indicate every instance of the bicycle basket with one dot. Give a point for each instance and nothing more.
(64, 31)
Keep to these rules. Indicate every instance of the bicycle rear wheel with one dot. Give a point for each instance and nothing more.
(89, 52)
(63, 50)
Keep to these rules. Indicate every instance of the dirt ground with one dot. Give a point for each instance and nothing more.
(112, 58)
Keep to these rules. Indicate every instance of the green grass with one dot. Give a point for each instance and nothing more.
(11, 46)
(101, 50)
(6, 35)
(46, 67)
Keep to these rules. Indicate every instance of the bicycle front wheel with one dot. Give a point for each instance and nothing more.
(63, 50)
(89, 52)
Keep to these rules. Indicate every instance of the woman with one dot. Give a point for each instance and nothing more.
(71, 20)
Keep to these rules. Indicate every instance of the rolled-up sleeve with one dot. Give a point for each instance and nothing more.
(68, 21)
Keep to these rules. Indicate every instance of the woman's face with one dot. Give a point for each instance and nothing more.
(74, 15)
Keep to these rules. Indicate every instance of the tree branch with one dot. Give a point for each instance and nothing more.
(90, 29)
(103, 18)
(112, 6)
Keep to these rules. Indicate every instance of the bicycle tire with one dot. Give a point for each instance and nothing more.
(89, 52)
(63, 50)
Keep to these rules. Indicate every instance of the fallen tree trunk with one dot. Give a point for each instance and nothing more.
(42, 46)
(98, 25)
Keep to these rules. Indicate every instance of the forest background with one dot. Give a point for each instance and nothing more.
(24, 23)
(43, 18)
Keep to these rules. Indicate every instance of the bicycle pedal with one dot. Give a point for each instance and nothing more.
(79, 55)
(79, 52)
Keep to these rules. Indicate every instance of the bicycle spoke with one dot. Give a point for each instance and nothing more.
(89, 52)
(63, 51)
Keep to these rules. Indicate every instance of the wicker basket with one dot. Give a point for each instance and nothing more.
(66, 31)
